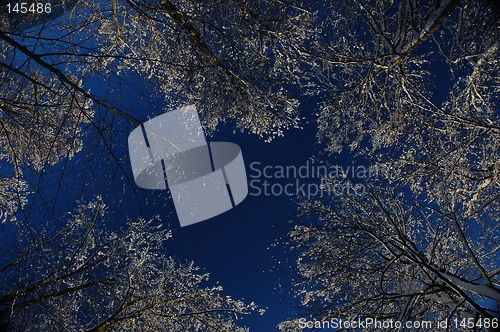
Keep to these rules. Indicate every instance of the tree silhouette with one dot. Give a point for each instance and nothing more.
(411, 87)
(416, 85)
(380, 255)
(87, 278)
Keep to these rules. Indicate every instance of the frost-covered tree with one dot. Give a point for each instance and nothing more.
(41, 120)
(86, 277)
(414, 86)
(380, 255)
(235, 59)
(13, 192)
(73, 72)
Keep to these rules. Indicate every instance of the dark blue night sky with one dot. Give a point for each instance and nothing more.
(236, 246)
